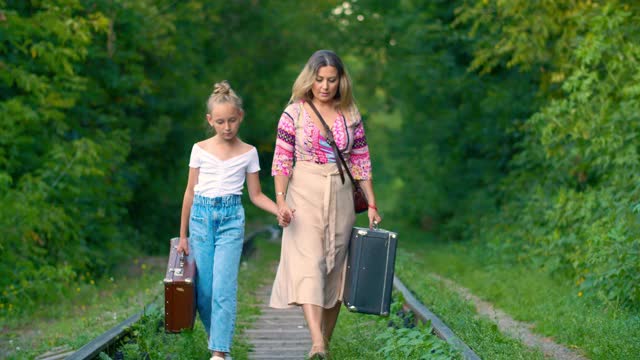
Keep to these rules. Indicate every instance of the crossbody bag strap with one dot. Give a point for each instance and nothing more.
(330, 140)
(337, 153)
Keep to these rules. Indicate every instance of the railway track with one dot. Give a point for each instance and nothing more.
(266, 343)
(282, 334)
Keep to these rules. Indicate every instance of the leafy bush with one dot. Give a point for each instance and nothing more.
(403, 340)
(567, 203)
(519, 130)
(148, 340)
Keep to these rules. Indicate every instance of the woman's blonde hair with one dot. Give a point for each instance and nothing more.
(302, 86)
(223, 93)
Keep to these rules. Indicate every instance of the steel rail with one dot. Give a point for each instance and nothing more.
(109, 338)
(439, 327)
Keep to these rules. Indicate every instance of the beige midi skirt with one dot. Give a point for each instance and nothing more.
(315, 244)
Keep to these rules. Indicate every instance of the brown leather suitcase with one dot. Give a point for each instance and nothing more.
(370, 268)
(179, 291)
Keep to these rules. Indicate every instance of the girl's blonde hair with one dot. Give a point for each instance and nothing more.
(223, 93)
(302, 86)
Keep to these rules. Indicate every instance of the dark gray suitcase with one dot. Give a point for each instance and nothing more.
(370, 267)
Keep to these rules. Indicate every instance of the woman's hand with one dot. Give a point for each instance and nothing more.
(183, 246)
(374, 217)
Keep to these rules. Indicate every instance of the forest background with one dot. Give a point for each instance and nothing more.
(507, 126)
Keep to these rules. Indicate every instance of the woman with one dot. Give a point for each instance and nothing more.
(307, 181)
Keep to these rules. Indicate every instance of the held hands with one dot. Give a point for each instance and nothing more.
(183, 246)
(285, 215)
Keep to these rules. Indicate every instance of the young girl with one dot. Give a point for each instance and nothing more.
(212, 209)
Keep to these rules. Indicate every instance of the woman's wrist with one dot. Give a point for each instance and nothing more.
(373, 206)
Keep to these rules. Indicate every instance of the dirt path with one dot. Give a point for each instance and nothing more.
(517, 329)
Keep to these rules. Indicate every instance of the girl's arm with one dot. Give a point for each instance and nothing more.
(187, 201)
(258, 198)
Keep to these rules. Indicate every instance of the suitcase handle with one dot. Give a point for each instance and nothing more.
(179, 271)
(181, 258)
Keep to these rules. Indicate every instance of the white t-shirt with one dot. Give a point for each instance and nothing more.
(222, 177)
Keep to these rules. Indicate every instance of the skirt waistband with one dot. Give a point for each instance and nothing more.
(219, 201)
(326, 169)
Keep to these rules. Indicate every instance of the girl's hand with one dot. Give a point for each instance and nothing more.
(183, 246)
(374, 217)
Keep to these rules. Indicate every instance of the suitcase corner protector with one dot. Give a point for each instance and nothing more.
(352, 308)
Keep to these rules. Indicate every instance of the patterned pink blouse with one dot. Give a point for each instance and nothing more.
(300, 139)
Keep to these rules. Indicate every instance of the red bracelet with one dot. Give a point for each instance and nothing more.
(373, 206)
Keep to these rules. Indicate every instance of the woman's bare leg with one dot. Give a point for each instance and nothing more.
(313, 316)
(329, 319)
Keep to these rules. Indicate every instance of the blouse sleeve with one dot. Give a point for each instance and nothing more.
(360, 159)
(285, 144)
(254, 162)
(194, 159)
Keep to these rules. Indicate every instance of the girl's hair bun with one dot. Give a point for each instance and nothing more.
(223, 93)
(221, 88)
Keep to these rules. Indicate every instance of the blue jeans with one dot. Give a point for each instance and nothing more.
(216, 233)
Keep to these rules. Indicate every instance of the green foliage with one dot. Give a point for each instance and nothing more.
(148, 339)
(567, 203)
(408, 343)
(518, 128)
(55, 223)
(91, 306)
(415, 257)
(100, 103)
(414, 342)
(556, 307)
(359, 336)
(520, 117)
(454, 126)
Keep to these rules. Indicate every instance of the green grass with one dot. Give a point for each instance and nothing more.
(149, 338)
(363, 336)
(357, 336)
(94, 307)
(527, 295)
(554, 306)
(479, 333)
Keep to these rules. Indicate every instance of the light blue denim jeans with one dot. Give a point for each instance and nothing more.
(216, 233)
